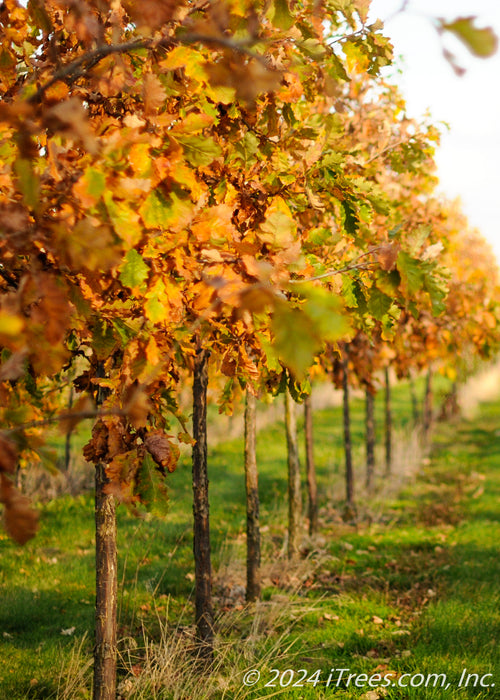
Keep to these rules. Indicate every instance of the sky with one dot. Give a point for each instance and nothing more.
(469, 156)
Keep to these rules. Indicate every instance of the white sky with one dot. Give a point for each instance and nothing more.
(469, 157)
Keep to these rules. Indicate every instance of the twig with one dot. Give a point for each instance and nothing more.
(347, 268)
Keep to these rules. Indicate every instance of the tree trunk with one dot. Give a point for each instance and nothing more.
(388, 423)
(106, 583)
(428, 408)
(414, 401)
(67, 441)
(370, 440)
(201, 530)
(349, 474)
(252, 496)
(312, 489)
(106, 590)
(294, 493)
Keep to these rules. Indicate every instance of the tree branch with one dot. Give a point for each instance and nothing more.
(84, 63)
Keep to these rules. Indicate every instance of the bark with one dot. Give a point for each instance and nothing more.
(104, 687)
(388, 423)
(201, 532)
(370, 440)
(294, 492)
(312, 489)
(252, 497)
(106, 591)
(349, 474)
(428, 406)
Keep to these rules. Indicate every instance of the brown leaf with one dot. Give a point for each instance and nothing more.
(160, 449)
(387, 256)
(20, 520)
(137, 408)
(70, 117)
(153, 93)
(13, 368)
(151, 13)
(8, 455)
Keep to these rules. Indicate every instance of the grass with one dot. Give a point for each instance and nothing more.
(411, 587)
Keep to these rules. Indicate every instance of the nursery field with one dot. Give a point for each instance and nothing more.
(402, 602)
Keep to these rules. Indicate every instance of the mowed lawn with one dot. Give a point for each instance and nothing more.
(407, 593)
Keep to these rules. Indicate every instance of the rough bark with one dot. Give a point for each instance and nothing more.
(312, 489)
(106, 591)
(388, 423)
(294, 492)
(104, 686)
(201, 531)
(252, 498)
(370, 440)
(349, 474)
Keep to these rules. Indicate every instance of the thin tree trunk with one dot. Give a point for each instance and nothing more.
(312, 489)
(106, 583)
(252, 495)
(294, 492)
(428, 408)
(201, 534)
(388, 423)
(370, 439)
(67, 442)
(349, 474)
(414, 401)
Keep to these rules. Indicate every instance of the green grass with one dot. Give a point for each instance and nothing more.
(410, 588)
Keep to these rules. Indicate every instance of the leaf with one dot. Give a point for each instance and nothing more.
(29, 182)
(125, 221)
(10, 325)
(199, 151)
(153, 93)
(294, 338)
(8, 455)
(151, 488)
(279, 227)
(378, 303)
(480, 42)
(160, 448)
(134, 271)
(411, 272)
(282, 17)
(20, 520)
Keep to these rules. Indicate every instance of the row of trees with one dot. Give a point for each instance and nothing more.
(227, 184)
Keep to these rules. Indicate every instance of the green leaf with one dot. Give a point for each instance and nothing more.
(282, 17)
(200, 151)
(151, 488)
(247, 147)
(480, 42)
(378, 303)
(29, 183)
(350, 218)
(103, 338)
(125, 221)
(294, 338)
(411, 273)
(134, 271)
